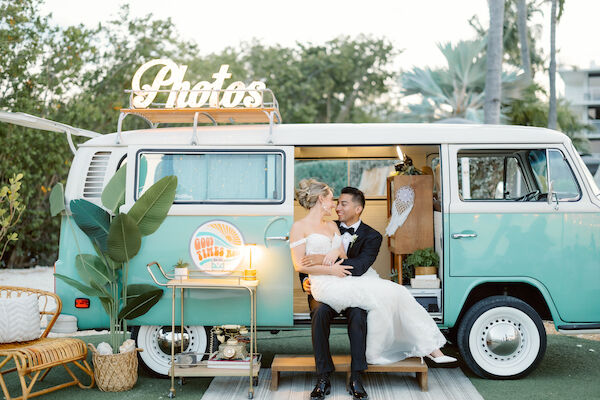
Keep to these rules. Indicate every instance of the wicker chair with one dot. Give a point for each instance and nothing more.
(37, 357)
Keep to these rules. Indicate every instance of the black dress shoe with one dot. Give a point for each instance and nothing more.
(322, 388)
(357, 390)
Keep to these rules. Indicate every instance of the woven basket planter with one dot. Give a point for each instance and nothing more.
(115, 372)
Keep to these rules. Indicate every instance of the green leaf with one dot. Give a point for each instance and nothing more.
(103, 292)
(107, 260)
(92, 220)
(137, 289)
(124, 238)
(141, 304)
(57, 199)
(113, 195)
(150, 210)
(80, 286)
(106, 304)
(91, 268)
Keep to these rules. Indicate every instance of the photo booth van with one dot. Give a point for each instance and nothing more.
(515, 220)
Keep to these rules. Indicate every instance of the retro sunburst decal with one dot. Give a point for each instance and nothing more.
(216, 247)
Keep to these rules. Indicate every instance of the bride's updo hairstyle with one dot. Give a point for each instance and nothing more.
(309, 190)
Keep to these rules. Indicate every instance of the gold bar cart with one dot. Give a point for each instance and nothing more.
(200, 368)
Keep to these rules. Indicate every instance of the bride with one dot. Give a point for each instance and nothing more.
(398, 326)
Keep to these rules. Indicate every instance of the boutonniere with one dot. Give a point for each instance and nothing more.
(353, 239)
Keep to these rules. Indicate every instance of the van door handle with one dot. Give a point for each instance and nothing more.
(463, 235)
(284, 238)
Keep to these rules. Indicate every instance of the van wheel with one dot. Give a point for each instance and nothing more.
(156, 342)
(501, 337)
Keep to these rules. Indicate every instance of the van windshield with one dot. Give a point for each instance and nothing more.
(586, 173)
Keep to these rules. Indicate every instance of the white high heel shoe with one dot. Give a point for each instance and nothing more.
(441, 359)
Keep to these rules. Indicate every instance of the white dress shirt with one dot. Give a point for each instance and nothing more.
(347, 237)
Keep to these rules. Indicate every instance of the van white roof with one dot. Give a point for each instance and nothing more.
(334, 134)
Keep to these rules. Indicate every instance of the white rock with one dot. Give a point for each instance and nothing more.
(104, 349)
(128, 345)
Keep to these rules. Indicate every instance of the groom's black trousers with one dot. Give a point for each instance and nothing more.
(321, 316)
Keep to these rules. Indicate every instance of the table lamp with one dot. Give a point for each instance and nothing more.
(250, 273)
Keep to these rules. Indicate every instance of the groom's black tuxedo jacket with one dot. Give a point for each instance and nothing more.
(362, 253)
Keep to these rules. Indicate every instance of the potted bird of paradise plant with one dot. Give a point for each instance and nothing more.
(116, 238)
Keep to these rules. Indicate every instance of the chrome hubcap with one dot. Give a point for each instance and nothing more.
(164, 337)
(502, 339)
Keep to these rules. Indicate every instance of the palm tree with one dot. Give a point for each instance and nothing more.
(524, 45)
(513, 44)
(555, 14)
(457, 90)
(493, 89)
(552, 70)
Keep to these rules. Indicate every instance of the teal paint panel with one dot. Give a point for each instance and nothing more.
(202, 307)
(559, 250)
(73, 242)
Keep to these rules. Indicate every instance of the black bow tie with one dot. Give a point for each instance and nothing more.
(344, 230)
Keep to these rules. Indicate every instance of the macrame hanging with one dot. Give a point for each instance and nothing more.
(401, 208)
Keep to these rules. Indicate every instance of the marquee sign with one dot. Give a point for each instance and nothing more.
(169, 78)
(216, 247)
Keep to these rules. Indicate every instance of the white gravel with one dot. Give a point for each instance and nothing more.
(35, 278)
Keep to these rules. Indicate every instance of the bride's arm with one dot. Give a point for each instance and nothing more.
(298, 252)
(336, 253)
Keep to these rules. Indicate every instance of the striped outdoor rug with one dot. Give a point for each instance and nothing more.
(444, 383)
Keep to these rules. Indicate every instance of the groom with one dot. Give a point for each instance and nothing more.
(361, 243)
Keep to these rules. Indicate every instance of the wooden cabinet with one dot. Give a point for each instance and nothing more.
(417, 231)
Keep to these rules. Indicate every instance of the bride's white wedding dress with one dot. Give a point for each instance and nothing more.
(397, 326)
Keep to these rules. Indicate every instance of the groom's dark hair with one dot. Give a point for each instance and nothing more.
(357, 195)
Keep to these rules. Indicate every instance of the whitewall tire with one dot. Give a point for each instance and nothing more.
(156, 339)
(501, 337)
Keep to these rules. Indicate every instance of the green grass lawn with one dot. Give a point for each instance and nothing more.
(569, 371)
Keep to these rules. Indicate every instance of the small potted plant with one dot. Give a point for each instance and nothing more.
(181, 269)
(425, 261)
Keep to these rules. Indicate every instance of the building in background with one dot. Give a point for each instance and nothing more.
(582, 90)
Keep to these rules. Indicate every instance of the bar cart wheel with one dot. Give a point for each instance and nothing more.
(181, 381)
(171, 393)
(255, 381)
(250, 395)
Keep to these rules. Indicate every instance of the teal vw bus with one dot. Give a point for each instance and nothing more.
(516, 222)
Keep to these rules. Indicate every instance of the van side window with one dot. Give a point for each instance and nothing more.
(216, 177)
(491, 177)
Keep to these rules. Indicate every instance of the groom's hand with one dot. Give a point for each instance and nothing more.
(340, 270)
(313, 259)
(306, 285)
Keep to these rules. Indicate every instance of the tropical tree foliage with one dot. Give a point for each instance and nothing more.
(456, 90)
(78, 76)
(511, 40)
(40, 65)
(531, 110)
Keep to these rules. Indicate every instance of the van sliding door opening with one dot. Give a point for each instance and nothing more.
(370, 168)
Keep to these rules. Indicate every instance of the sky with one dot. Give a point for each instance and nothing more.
(415, 26)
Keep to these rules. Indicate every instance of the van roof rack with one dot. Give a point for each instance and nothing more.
(266, 112)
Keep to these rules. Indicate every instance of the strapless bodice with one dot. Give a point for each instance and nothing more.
(317, 243)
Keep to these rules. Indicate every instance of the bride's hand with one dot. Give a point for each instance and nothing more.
(340, 270)
(331, 257)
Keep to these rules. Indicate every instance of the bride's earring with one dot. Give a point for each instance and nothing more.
(324, 207)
